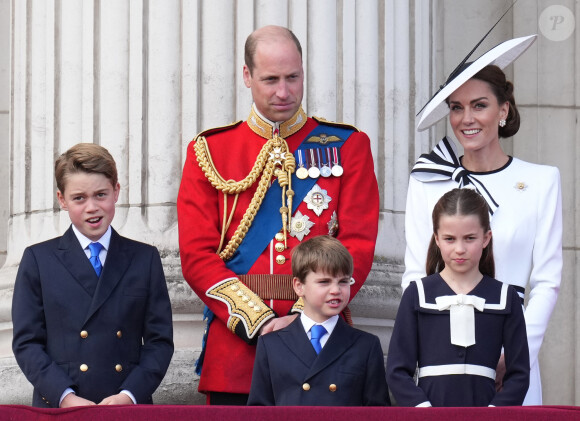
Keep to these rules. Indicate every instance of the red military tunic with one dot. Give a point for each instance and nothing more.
(351, 216)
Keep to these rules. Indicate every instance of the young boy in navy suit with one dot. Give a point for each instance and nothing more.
(319, 359)
(91, 312)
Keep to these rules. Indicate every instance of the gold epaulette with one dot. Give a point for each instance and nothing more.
(321, 120)
(298, 306)
(219, 129)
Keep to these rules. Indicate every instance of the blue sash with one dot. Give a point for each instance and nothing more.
(268, 220)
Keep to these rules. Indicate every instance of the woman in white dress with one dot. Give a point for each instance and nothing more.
(524, 198)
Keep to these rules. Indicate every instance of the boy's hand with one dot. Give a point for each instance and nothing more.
(71, 400)
(277, 324)
(118, 399)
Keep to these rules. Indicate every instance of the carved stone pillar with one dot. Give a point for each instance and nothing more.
(143, 77)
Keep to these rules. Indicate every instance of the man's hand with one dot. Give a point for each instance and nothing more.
(277, 324)
(499, 373)
(71, 400)
(118, 399)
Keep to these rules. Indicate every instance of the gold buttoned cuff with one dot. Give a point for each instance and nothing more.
(243, 305)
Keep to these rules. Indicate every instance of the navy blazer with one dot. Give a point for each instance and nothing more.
(97, 336)
(349, 371)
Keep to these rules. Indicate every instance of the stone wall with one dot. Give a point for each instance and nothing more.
(143, 77)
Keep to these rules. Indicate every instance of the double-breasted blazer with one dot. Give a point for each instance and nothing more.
(349, 371)
(97, 336)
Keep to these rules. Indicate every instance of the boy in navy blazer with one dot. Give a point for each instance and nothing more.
(319, 359)
(91, 312)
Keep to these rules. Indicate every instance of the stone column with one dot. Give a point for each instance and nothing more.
(548, 91)
(143, 77)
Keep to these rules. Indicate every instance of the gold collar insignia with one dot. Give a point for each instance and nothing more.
(265, 128)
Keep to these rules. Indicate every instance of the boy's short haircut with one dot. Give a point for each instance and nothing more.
(84, 157)
(324, 253)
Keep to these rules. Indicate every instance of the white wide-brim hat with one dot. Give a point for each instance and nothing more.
(501, 56)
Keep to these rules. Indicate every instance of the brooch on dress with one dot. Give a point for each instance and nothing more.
(520, 186)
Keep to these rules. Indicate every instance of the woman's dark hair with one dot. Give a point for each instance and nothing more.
(461, 202)
(504, 92)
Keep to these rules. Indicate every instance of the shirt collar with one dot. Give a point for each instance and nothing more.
(105, 240)
(329, 324)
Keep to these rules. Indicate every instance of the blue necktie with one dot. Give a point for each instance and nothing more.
(95, 249)
(317, 332)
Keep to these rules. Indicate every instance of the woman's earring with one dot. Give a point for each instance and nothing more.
(502, 122)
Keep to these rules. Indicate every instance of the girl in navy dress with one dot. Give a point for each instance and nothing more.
(452, 324)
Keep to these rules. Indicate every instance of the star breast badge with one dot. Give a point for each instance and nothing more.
(300, 226)
(317, 199)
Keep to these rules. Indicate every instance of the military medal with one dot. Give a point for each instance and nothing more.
(301, 172)
(317, 199)
(337, 169)
(333, 224)
(313, 171)
(300, 226)
(277, 156)
(325, 170)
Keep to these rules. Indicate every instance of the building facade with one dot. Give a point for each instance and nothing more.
(143, 77)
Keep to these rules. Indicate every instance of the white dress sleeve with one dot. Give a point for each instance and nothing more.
(547, 263)
(418, 231)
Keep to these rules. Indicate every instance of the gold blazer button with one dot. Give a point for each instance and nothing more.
(84, 334)
(306, 387)
(119, 368)
(119, 334)
(84, 367)
(332, 387)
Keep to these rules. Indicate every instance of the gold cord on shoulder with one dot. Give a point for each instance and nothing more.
(274, 158)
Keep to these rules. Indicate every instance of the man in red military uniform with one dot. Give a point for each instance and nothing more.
(251, 192)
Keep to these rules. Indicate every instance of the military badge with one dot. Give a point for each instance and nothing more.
(336, 169)
(301, 171)
(313, 171)
(333, 225)
(300, 226)
(323, 139)
(317, 199)
(277, 156)
(323, 158)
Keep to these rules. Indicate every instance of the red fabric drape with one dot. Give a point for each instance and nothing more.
(220, 413)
